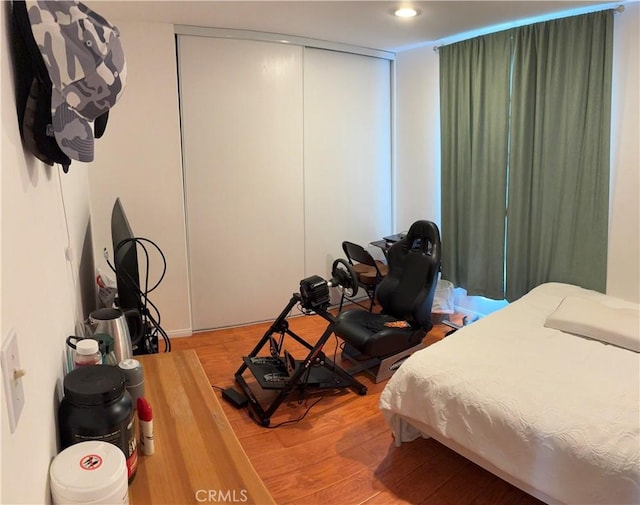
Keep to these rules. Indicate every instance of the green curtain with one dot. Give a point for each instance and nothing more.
(474, 112)
(525, 125)
(558, 198)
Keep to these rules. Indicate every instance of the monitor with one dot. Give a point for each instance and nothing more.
(125, 259)
(145, 329)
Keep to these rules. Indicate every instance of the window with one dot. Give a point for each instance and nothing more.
(525, 122)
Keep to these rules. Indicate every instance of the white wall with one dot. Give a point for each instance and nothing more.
(140, 162)
(44, 213)
(417, 190)
(418, 181)
(623, 272)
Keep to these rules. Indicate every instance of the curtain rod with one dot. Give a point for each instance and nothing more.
(616, 10)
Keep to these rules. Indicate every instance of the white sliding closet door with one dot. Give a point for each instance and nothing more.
(241, 104)
(347, 153)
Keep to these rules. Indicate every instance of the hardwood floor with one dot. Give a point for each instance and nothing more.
(342, 451)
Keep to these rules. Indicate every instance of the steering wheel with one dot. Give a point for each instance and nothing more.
(344, 278)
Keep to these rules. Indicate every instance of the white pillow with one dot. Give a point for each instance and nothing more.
(594, 319)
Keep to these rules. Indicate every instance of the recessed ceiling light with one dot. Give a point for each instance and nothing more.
(406, 12)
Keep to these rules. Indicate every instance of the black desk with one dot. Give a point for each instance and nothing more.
(387, 242)
(382, 244)
(395, 238)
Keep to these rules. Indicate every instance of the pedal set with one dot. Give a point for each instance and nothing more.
(280, 371)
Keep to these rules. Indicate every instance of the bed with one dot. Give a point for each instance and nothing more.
(543, 393)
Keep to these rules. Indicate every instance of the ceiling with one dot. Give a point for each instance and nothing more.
(363, 23)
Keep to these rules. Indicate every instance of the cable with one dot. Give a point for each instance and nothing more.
(71, 264)
(335, 351)
(300, 418)
(149, 322)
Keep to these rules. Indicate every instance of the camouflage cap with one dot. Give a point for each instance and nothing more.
(85, 61)
(33, 92)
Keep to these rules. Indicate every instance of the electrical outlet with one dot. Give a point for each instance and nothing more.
(12, 375)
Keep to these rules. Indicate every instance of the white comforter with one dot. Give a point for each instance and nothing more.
(557, 411)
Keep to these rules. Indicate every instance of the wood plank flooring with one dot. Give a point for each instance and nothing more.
(342, 451)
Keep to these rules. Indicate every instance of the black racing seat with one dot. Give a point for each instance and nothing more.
(405, 294)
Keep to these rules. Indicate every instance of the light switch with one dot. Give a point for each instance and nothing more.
(12, 374)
